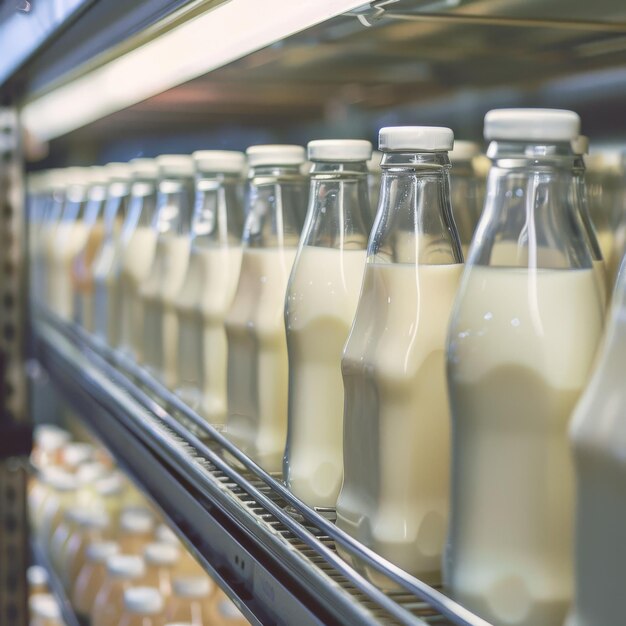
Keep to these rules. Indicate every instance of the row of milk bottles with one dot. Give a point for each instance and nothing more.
(117, 564)
(426, 400)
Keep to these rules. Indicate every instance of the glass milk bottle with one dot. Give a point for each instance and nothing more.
(69, 238)
(395, 494)
(138, 241)
(524, 332)
(106, 300)
(122, 572)
(83, 263)
(191, 600)
(172, 223)
(136, 531)
(45, 610)
(322, 295)
(465, 190)
(92, 527)
(580, 147)
(257, 347)
(143, 606)
(598, 436)
(161, 559)
(91, 577)
(210, 283)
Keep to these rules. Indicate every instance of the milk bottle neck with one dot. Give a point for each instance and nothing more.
(274, 201)
(218, 213)
(338, 205)
(174, 208)
(74, 204)
(116, 205)
(141, 204)
(532, 216)
(414, 223)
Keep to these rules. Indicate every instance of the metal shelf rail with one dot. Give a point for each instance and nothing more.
(272, 554)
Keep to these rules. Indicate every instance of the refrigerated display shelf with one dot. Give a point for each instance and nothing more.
(273, 555)
(55, 586)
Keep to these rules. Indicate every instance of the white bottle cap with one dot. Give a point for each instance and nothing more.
(144, 168)
(59, 480)
(373, 165)
(50, 438)
(192, 586)
(88, 473)
(78, 176)
(75, 453)
(127, 566)
(101, 551)
(464, 151)
(37, 576)
(136, 522)
(94, 518)
(75, 514)
(143, 600)
(175, 165)
(166, 535)
(532, 124)
(416, 138)
(339, 150)
(276, 154)
(98, 175)
(161, 554)
(44, 606)
(580, 145)
(58, 178)
(227, 161)
(111, 485)
(118, 171)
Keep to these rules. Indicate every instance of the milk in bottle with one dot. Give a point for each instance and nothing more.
(580, 147)
(69, 237)
(83, 263)
(321, 300)
(524, 331)
(598, 436)
(465, 190)
(172, 222)
(257, 346)
(395, 494)
(106, 301)
(210, 283)
(136, 254)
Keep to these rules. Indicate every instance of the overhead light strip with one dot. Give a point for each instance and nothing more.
(204, 43)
